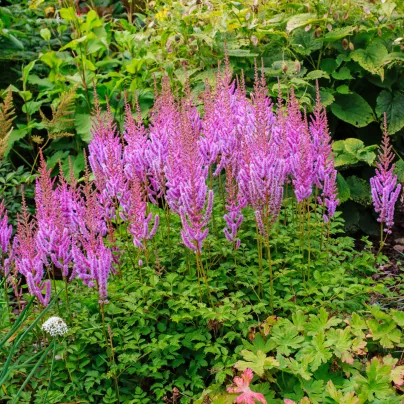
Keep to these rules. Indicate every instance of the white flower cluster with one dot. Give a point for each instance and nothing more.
(55, 326)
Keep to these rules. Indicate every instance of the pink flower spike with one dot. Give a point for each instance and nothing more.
(243, 386)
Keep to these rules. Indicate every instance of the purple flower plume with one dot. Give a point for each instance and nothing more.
(5, 237)
(325, 174)
(385, 190)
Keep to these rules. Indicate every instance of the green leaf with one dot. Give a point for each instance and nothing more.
(25, 73)
(385, 331)
(320, 322)
(399, 170)
(342, 74)
(45, 34)
(82, 124)
(352, 108)
(258, 362)
(68, 14)
(353, 145)
(338, 33)
(344, 89)
(326, 96)
(300, 20)
(317, 74)
(304, 42)
(286, 339)
(344, 192)
(398, 317)
(241, 53)
(391, 103)
(371, 58)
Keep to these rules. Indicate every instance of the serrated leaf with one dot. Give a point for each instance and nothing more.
(371, 58)
(344, 160)
(398, 317)
(386, 332)
(352, 108)
(304, 42)
(258, 362)
(392, 104)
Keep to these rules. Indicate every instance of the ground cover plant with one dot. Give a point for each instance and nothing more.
(200, 259)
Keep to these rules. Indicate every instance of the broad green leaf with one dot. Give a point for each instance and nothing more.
(344, 89)
(399, 170)
(339, 396)
(340, 342)
(300, 20)
(352, 108)
(68, 14)
(338, 33)
(344, 191)
(385, 331)
(45, 34)
(320, 322)
(304, 42)
(82, 124)
(398, 317)
(353, 145)
(326, 96)
(241, 53)
(258, 362)
(317, 74)
(345, 160)
(391, 103)
(319, 351)
(286, 338)
(342, 74)
(371, 58)
(376, 384)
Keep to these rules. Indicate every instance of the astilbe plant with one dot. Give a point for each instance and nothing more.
(384, 187)
(173, 163)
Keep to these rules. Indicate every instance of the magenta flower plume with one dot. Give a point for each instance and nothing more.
(53, 237)
(235, 204)
(28, 260)
(262, 172)
(164, 125)
(107, 161)
(93, 265)
(242, 385)
(135, 150)
(301, 152)
(385, 190)
(325, 174)
(194, 209)
(139, 220)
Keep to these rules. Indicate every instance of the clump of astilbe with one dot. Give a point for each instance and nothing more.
(325, 174)
(27, 258)
(5, 237)
(139, 220)
(164, 125)
(107, 161)
(300, 150)
(262, 172)
(384, 187)
(53, 237)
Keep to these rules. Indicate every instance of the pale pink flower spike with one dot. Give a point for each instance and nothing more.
(243, 386)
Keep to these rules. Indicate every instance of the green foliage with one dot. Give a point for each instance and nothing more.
(167, 339)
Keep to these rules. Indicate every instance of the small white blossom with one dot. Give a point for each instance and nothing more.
(55, 326)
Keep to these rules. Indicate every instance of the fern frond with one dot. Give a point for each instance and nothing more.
(62, 116)
(6, 120)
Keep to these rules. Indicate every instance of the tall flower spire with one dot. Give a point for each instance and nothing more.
(325, 174)
(385, 190)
